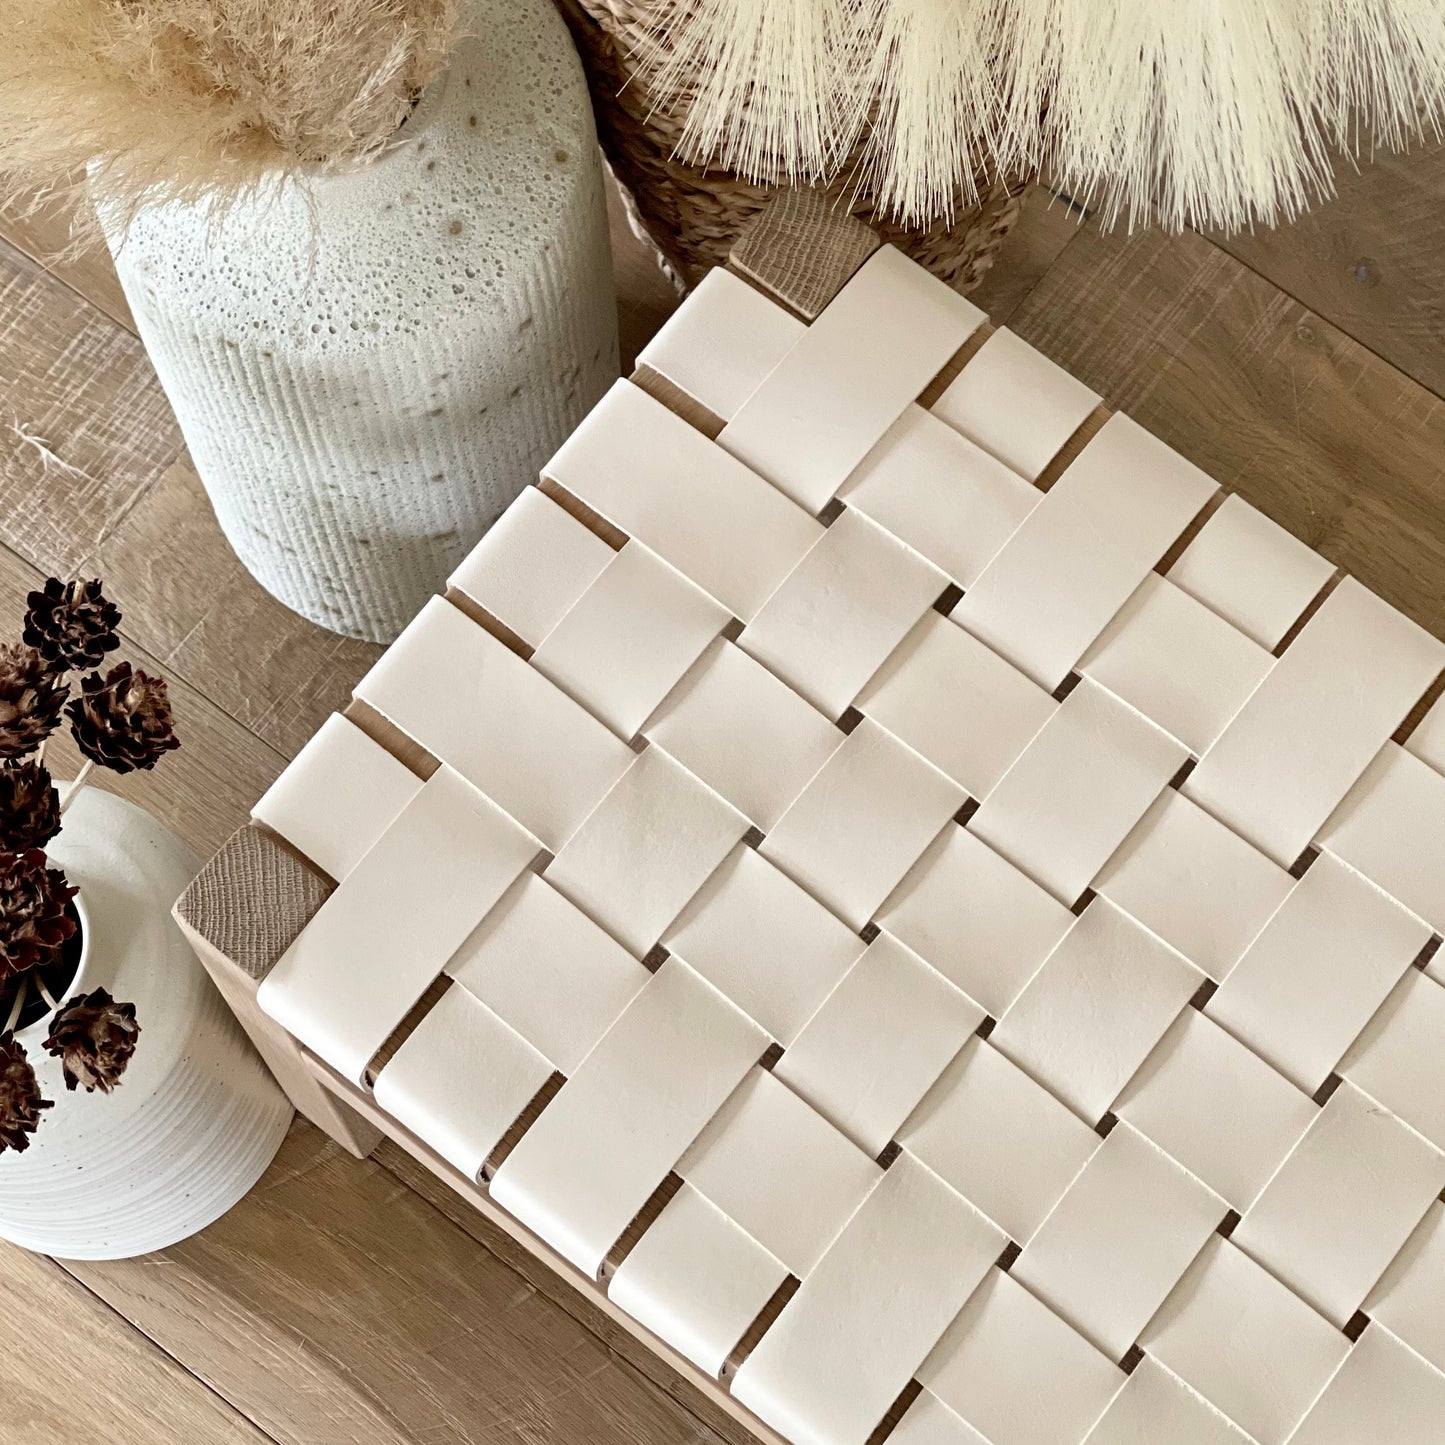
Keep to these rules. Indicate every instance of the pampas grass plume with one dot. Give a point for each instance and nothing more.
(175, 99)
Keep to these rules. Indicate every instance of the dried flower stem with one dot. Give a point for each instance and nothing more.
(45, 992)
(21, 994)
(73, 791)
(49, 458)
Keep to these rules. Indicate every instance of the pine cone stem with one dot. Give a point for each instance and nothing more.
(73, 791)
(44, 992)
(22, 992)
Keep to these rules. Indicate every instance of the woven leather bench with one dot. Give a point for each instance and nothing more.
(911, 899)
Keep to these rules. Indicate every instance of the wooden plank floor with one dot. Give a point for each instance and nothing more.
(356, 1302)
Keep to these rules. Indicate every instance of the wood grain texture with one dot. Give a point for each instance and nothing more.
(240, 914)
(802, 249)
(334, 1306)
(188, 600)
(1372, 260)
(251, 901)
(46, 234)
(1272, 400)
(1047, 224)
(73, 1370)
(548, 1282)
(73, 379)
(205, 790)
(645, 297)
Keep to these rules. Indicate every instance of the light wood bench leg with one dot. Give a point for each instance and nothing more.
(240, 915)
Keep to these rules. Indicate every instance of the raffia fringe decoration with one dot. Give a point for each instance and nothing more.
(693, 212)
(1193, 112)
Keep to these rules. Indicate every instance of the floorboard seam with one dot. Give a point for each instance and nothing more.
(679, 1397)
(156, 1344)
(1321, 316)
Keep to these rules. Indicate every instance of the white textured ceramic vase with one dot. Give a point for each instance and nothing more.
(369, 364)
(197, 1117)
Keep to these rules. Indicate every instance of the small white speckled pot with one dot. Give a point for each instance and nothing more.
(369, 363)
(197, 1117)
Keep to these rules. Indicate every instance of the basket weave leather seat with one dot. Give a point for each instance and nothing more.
(926, 901)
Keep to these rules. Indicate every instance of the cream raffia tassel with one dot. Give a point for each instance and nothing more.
(1180, 112)
(925, 95)
(1199, 112)
(776, 97)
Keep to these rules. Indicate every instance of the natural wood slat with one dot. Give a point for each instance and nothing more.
(1046, 225)
(801, 250)
(46, 235)
(73, 378)
(73, 1370)
(333, 1306)
(188, 599)
(1272, 400)
(645, 297)
(1372, 261)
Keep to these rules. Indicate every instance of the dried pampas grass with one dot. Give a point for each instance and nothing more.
(1184, 112)
(183, 98)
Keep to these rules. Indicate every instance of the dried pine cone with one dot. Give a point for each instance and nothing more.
(20, 1101)
(33, 920)
(93, 1036)
(29, 807)
(122, 721)
(71, 624)
(30, 700)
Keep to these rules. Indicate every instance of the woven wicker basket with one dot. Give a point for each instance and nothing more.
(692, 215)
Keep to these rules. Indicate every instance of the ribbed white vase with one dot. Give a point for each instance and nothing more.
(197, 1117)
(369, 364)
